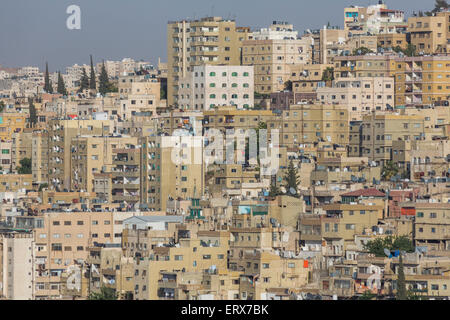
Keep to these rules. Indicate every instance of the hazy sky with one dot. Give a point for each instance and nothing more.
(33, 31)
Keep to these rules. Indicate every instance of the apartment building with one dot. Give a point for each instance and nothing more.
(15, 182)
(169, 169)
(389, 41)
(61, 133)
(190, 255)
(272, 60)
(344, 221)
(11, 123)
(141, 96)
(374, 19)
(380, 130)
(39, 157)
(428, 159)
(335, 171)
(360, 95)
(264, 271)
(94, 154)
(17, 264)
(422, 80)
(304, 123)
(431, 227)
(430, 34)
(126, 180)
(5, 156)
(21, 147)
(61, 238)
(231, 118)
(369, 65)
(328, 43)
(210, 40)
(209, 86)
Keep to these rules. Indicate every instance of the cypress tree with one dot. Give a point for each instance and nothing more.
(84, 81)
(291, 178)
(103, 85)
(47, 79)
(61, 86)
(32, 111)
(401, 282)
(92, 83)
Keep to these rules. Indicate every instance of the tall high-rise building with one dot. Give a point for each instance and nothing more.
(190, 43)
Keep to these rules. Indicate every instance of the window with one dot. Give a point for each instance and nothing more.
(212, 74)
(56, 247)
(265, 266)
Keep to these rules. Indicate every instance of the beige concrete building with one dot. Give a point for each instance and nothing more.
(304, 123)
(272, 60)
(360, 95)
(169, 171)
(62, 239)
(422, 80)
(210, 40)
(94, 154)
(40, 157)
(61, 133)
(364, 66)
(379, 131)
(431, 227)
(430, 34)
(16, 265)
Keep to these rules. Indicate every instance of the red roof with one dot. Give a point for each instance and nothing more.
(372, 192)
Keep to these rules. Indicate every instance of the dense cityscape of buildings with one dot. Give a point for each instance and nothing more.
(252, 165)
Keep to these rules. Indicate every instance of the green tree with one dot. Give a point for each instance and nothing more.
(361, 51)
(377, 246)
(61, 86)
(390, 169)
(274, 190)
(48, 87)
(328, 74)
(410, 50)
(103, 80)
(401, 282)
(367, 295)
(33, 114)
(291, 178)
(104, 294)
(440, 4)
(84, 81)
(2, 106)
(43, 186)
(25, 166)
(92, 83)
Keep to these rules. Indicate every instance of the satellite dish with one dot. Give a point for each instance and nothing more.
(387, 252)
